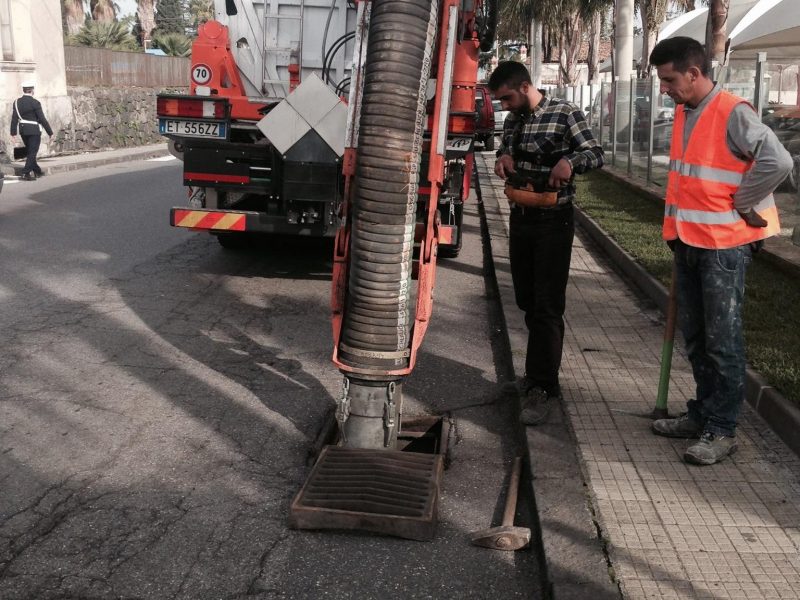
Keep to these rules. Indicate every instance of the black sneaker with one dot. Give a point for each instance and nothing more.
(28, 177)
(535, 406)
(681, 427)
(710, 449)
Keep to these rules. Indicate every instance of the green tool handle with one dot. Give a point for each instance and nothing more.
(666, 348)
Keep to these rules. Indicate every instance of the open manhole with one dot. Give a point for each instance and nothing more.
(393, 492)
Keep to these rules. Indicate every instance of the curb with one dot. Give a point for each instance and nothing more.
(780, 414)
(88, 160)
(576, 565)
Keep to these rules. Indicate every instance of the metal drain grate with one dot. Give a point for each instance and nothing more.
(382, 491)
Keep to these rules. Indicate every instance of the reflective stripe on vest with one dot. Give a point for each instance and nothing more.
(708, 217)
(703, 179)
(707, 173)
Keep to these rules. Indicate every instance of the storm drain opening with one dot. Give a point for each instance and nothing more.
(390, 492)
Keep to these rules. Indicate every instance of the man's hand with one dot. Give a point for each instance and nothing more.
(560, 175)
(504, 166)
(753, 219)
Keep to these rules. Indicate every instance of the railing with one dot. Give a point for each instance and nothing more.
(100, 67)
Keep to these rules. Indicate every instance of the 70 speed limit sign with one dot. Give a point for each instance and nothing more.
(201, 74)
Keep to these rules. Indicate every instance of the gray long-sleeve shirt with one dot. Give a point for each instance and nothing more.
(749, 139)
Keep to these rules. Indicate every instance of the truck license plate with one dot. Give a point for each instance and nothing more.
(204, 129)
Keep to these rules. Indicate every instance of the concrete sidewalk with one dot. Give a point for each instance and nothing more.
(616, 502)
(85, 160)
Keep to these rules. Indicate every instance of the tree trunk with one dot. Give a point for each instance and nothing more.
(145, 10)
(716, 29)
(653, 14)
(593, 59)
(75, 17)
(103, 11)
(570, 45)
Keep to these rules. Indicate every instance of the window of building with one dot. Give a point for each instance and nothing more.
(6, 34)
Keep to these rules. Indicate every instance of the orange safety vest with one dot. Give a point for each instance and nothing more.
(702, 181)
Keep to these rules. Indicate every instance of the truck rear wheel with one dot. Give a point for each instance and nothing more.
(233, 241)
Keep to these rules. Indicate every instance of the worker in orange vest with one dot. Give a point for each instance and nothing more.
(724, 166)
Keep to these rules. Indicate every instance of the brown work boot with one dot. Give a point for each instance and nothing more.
(535, 406)
(711, 449)
(680, 427)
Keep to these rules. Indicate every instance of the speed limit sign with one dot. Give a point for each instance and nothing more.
(201, 74)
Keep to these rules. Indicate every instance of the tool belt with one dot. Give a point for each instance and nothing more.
(530, 189)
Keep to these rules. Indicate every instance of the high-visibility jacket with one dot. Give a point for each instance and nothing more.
(703, 177)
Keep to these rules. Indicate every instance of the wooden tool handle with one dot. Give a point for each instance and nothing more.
(511, 495)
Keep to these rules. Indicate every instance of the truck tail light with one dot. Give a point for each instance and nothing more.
(194, 108)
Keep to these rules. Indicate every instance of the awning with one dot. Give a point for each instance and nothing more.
(772, 26)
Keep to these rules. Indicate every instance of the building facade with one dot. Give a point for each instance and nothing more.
(32, 46)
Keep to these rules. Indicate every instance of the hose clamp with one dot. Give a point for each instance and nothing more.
(389, 416)
(343, 408)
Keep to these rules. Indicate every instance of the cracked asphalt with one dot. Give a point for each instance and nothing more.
(160, 397)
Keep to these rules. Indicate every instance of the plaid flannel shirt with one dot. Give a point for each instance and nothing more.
(555, 128)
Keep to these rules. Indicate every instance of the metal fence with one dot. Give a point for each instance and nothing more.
(632, 120)
(99, 67)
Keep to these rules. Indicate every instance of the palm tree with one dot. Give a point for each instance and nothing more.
(564, 24)
(653, 13)
(201, 11)
(74, 15)
(146, 11)
(97, 34)
(103, 11)
(174, 44)
(716, 29)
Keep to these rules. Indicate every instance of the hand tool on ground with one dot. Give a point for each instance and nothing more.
(660, 411)
(507, 536)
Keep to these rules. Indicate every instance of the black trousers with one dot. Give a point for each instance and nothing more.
(32, 143)
(540, 249)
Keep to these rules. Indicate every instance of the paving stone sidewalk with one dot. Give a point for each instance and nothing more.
(671, 530)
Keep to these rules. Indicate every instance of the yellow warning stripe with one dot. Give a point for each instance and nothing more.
(200, 219)
(228, 221)
(192, 218)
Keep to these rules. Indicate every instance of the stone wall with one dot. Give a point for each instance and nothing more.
(107, 118)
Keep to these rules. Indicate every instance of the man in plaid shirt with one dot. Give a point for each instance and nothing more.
(545, 142)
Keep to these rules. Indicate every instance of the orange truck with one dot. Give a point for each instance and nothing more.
(272, 110)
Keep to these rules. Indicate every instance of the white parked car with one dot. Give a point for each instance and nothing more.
(499, 116)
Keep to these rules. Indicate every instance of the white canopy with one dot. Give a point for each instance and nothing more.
(771, 26)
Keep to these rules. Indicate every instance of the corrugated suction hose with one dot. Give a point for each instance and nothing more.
(377, 320)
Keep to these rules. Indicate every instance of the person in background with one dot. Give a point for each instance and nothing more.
(27, 116)
(545, 142)
(724, 166)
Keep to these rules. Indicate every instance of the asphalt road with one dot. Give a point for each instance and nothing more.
(160, 396)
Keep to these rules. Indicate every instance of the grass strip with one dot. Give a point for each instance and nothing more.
(772, 297)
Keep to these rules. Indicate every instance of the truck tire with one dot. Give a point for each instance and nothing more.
(233, 241)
